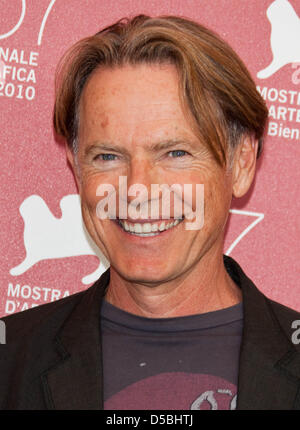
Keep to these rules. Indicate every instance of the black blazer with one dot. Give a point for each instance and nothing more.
(52, 356)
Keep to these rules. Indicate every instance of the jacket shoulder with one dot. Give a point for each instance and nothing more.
(50, 315)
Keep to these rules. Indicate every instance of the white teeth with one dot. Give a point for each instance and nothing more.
(147, 229)
(138, 228)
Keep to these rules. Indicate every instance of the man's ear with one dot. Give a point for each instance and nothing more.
(71, 159)
(244, 165)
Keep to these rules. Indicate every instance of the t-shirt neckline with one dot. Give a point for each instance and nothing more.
(115, 315)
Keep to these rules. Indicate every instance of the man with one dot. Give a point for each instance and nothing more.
(172, 324)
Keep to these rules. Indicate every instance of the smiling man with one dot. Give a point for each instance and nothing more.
(165, 104)
(132, 124)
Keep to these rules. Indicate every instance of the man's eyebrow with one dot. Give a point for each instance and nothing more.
(171, 143)
(154, 147)
(105, 146)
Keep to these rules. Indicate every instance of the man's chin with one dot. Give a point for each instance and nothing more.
(150, 276)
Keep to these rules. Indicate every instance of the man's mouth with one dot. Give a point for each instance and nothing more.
(146, 229)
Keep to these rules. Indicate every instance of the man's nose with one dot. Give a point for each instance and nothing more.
(141, 172)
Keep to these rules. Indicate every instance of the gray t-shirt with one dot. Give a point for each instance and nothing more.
(178, 363)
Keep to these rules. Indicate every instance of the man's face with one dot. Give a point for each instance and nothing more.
(132, 124)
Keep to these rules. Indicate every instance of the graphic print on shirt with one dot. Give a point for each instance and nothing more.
(176, 391)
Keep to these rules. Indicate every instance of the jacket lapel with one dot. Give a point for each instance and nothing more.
(269, 367)
(75, 381)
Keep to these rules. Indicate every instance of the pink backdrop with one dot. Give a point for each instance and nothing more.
(44, 252)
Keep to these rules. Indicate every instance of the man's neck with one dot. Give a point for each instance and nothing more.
(204, 288)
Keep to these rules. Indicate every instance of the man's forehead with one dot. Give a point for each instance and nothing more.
(111, 103)
(153, 80)
(121, 110)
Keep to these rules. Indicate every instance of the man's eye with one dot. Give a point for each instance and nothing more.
(106, 157)
(177, 153)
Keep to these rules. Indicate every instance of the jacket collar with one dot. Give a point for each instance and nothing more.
(267, 357)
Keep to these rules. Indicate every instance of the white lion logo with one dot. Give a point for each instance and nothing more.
(47, 237)
(285, 37)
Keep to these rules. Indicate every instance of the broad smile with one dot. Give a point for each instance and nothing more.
(147, 229)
